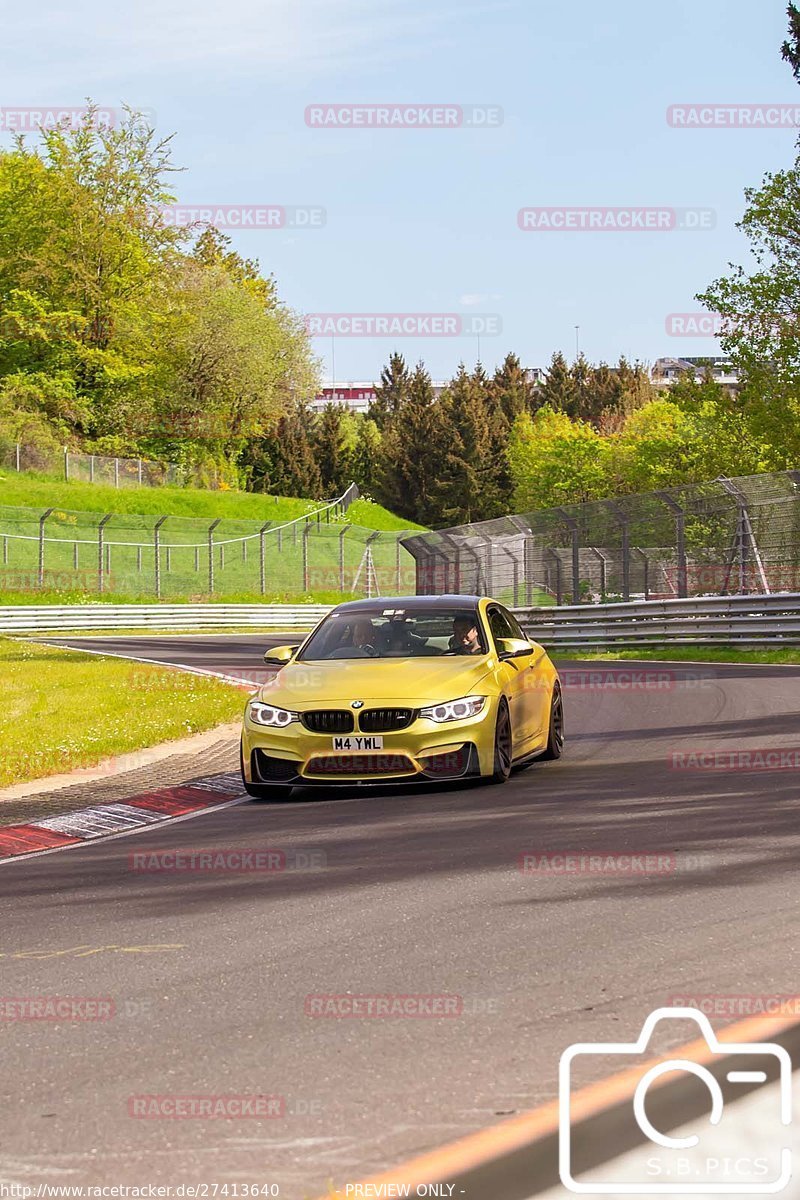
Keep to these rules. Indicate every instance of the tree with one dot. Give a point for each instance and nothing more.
(465, 484)
(511, 390)
(363, 451)
(392, 392)
(559, 391)
(284, 463)
(414, 446)
(557, 461)
(329, 449)
(761, 310)
(169, 353)
(790, 50)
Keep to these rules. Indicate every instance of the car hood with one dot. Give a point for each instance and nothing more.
(414, 681)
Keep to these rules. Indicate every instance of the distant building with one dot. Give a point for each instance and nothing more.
(357, 395)
(666, 371)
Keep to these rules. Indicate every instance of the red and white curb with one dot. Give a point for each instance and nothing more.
(104, 820)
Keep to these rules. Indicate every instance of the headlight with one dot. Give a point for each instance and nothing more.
(268, 714)
(454, 710)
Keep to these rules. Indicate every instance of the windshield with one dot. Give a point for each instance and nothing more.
(391, 633)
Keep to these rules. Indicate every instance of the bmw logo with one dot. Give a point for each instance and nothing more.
(357, 704)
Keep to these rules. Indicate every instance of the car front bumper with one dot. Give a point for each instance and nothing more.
(425, 750)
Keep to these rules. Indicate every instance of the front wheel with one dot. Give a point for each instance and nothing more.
(555, 736)
(502, 745)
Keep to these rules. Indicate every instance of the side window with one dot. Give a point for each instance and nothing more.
(516, 629)
(500, 624)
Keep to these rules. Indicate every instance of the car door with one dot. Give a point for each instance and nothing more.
(537, 686)
(518, 680)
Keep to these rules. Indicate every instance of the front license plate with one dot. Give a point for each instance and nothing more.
(358, 743)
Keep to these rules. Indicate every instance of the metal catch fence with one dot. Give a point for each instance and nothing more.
(728, 536)
(183, 557)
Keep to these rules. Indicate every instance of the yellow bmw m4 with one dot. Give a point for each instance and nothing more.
(404, 690)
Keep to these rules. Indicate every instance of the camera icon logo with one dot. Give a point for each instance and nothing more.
(678, 1163)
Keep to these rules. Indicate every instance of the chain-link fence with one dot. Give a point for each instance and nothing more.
(728, 536)
(181, 557)
(90, 468)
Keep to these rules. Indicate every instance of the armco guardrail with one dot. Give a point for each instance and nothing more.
(752, 620)
(46, 618)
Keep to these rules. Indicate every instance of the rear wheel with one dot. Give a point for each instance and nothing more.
(502, 745)
(555, 737)
(263, 791)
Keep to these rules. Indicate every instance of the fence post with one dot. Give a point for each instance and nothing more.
(157, 552)
(91, 468)
(100, 531)
(5, 550)
(17, 457)
(139, 559)
(139, 473)
(680, 540)
(42, 520)
(572, 524)
(116, 472)
(75, 557)
(646, 563)
(397, 563)
(66, 464)
(211, 529)
(602, 560)
(342, 532)
(622, 521)
(552, 554)
(262, 548)
(306, 530)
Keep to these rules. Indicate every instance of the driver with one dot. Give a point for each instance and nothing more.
(363, 635)
(465, 639)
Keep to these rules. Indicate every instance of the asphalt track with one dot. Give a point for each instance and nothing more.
(420, 894)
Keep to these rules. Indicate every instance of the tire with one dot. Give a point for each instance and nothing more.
(502, 745)
(555, 736)
(263, 791)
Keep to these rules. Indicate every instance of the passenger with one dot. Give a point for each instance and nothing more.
(465, 639)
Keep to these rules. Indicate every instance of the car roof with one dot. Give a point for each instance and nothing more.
(409, 603)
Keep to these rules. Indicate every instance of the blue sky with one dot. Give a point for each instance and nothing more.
(426, 221)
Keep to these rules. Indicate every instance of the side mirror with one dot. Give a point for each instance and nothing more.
(279, 656)
(513, 647)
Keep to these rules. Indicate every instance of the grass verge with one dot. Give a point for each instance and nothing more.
(63, 710)
(33, 490)
(722, 654)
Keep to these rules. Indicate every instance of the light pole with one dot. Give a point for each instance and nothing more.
(577, 342)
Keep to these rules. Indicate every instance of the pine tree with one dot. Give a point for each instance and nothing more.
(559, 390)
(294, 470)
(466, 471)
(392, 392)
(511, 388)
(328, 445)
(414, 446)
